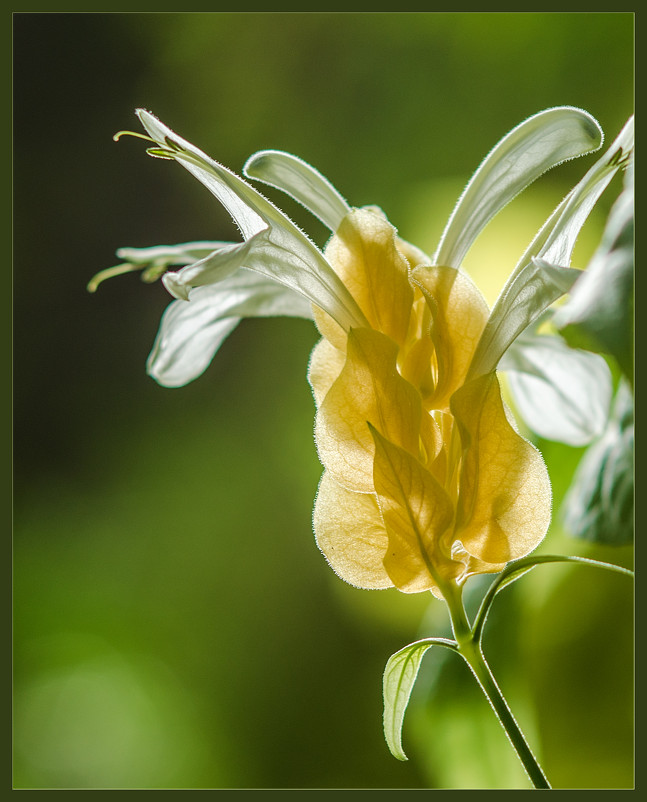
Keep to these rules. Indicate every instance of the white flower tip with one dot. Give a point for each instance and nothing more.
(174, 284)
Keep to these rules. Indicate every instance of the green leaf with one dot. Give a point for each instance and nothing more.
(599, 313)
(399, 676)
(561, 393)
(599, 504)
(517, 569)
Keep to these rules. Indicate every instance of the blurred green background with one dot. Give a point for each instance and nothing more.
(174, 623)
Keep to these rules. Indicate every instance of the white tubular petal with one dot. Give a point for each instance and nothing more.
(556, 239)
(309, 272)
(301, 181)
(214, 268)
(191, 332)
(187, 341)
(226, 186)
(529, 150)
(521, 304)
(183, 254)
(561, 393)
(541, 276)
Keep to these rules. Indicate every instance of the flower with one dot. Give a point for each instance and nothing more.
(426, 480)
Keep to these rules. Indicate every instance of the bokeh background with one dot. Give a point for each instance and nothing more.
(174, 623)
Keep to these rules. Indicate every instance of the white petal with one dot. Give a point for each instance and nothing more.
(230, 190)
(556, 239)
(191, 332)
(529, 150)
(214, 268)
(561, 393)
(301, 181)
(182, 254)
(308, 272)
(187, 341)
(542, 275)
(520, 304)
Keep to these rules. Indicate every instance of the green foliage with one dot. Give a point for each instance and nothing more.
(599, 315)
(399, 677)
(599, 505)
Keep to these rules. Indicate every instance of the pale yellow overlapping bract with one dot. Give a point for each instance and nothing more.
(426, 481)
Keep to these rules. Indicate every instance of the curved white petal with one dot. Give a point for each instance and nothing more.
(214, 268)
(307, 271)
(556, 239)
(561, 393)
(541, 275)
(183, 253)
(301, 181)
(191, 332)
(186, 342)
(529, 150)
(521, 304)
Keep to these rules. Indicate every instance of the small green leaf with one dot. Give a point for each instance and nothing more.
(399, 676)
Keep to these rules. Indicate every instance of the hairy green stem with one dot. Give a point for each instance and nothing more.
(470, 650)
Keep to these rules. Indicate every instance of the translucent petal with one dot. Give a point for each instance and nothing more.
(556, 239)
(215, 267)
(533, 147)
(369, 389)
(301, 181)
(417, 513)
(326, 363)
(561, 393)
(350, 532)
(191, 332)
(504, 504)
(459, 314)
(521, 303)
(185, 253)
(364, 253)
(599, 315)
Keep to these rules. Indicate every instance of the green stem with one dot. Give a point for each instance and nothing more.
(470, 650)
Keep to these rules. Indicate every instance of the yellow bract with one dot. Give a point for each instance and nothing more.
(426, 481)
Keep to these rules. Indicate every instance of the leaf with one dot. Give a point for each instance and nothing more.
(517, 569)
(599, 504)
(399, 677)
(562, 393)
(598, 315)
